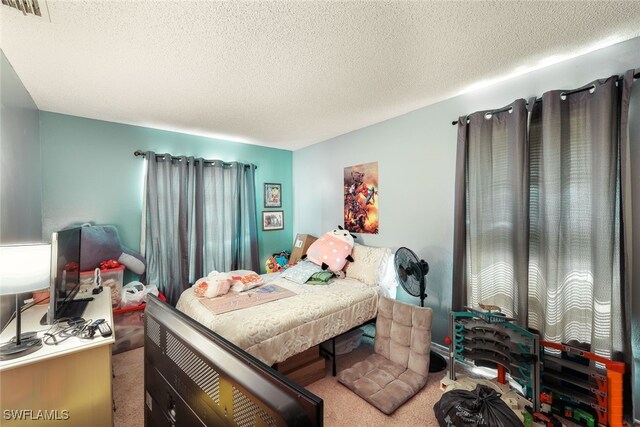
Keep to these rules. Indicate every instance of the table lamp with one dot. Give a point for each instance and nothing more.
(23, 268)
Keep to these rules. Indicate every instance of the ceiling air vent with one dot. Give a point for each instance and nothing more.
(25, 6)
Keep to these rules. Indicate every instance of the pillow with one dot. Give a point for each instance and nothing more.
(387, 275)
(241, 272)
(320, 278)
(301, 272)
(213, 285)
(366, 260)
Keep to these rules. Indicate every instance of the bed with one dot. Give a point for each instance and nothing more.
(277, 330)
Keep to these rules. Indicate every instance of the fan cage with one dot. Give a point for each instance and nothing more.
(406, 261)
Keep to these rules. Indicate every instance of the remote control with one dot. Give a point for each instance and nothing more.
(105, 329)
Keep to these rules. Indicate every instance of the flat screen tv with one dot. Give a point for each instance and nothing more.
(65, 273)
(194, 377)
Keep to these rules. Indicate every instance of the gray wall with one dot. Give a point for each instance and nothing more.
(20, 167)
(20, 171)
(416, 161)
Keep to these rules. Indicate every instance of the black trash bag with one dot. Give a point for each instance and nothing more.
(481, 407)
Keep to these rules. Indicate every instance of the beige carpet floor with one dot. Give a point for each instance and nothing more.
(344, 408)
(341, 406)
(128, 388)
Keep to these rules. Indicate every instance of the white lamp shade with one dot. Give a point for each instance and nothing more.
(24, 268)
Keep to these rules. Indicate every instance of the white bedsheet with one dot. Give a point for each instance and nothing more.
(277, 330)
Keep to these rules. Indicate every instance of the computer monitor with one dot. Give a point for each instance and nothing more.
(65, 272)
(194, 377)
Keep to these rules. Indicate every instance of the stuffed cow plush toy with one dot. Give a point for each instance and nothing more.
(332, 250)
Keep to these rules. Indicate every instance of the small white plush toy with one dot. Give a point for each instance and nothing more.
(213, 285)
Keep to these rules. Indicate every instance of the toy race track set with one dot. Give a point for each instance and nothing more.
(488, 338)
(557, 379)
(582, 386)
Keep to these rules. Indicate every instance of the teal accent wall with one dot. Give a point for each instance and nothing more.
(89, 174)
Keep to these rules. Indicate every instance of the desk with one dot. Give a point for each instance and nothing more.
(70, 380)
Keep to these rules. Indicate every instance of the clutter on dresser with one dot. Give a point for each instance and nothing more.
(107, 277)
(103, 260)
(101, 246)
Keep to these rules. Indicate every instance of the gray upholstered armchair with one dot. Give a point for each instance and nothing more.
(398, 368)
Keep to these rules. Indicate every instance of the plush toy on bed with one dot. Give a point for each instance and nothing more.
(213, 285)
(332, 250)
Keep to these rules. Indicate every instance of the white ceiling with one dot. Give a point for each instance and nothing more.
(287, 74)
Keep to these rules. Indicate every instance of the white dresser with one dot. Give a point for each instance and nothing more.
(70, 381)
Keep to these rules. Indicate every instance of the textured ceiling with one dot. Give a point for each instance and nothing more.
(286, 74)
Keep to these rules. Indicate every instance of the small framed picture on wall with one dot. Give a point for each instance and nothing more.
(272, 195)
(272, 220)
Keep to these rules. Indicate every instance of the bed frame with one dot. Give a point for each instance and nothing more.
(332, 354)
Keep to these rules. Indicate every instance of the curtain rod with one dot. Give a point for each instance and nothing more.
(570, 92)
(139, 153)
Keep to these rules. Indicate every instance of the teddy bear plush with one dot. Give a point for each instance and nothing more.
(332, 250)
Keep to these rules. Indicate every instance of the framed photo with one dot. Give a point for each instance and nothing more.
(272, 195)
(272, 220)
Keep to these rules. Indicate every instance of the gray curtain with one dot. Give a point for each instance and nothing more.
(576, 285)
(491, 246)
(459, 291)
(199, 216)
(542, 215)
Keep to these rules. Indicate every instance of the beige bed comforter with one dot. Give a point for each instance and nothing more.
(277, 330)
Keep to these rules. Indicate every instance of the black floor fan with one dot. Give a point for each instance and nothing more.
(411, 272)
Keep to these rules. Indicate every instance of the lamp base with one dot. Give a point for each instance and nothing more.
(11, 350)
(25, 336)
